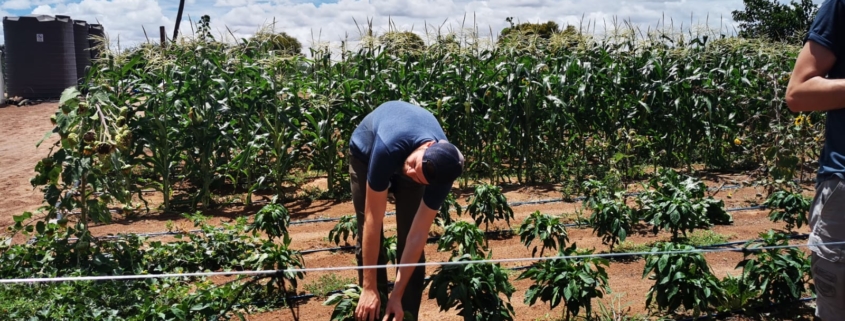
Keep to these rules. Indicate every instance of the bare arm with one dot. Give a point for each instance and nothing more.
(369, 302)
(374, 207)
(417, 237)
(808, 89)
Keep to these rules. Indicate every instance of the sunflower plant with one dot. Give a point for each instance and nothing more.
(89, 167)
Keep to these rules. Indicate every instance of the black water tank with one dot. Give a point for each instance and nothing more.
(80, 39)
(96, 34)
(40, 56)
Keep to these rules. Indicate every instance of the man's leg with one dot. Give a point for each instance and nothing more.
(408, 196)
(827, 221)
(358, 179)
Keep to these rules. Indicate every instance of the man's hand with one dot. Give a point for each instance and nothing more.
(368, 306)
(394, 307)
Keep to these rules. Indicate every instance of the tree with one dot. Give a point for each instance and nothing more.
(775, 21)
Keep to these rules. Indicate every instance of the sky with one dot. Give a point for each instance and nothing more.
(330, 21)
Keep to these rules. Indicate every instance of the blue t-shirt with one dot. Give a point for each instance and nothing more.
(386, 137)
(828, 30)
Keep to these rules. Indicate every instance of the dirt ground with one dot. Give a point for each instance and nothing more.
(22, 127)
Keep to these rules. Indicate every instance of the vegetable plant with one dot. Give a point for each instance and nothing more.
(488, 204)
(681, 279)
(612, 219)
(346, 226)
(473, 289)
(780, 274)
(739, 294)
(789, 207)
(575, 282)
(677, 204)
(93, 156)
(550, 231)
(390, 249)
(462, 238)
(272, 219)
(443, 218)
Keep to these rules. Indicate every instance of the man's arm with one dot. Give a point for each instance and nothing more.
(808, 89)
(417, 237)
(374, 208)
(374, 205)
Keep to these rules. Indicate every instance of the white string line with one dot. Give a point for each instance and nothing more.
(344, 268)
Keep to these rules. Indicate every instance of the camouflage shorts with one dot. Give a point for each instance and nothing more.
(827, 221)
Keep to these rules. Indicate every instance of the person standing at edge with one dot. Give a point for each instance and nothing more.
(817, 84)
(401, 147)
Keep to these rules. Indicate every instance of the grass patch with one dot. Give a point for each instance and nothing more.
(327, 283)
(704, 238)
(631, 247)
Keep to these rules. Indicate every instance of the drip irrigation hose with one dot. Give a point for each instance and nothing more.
(157, 234)
(741, 311)
(392, 213)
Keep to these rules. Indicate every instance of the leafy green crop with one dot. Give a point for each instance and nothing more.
(473, 289)
(346, 301)
(612, 219)
(53, 253)
(444, 218)
(677, 203)
(389, 245)
(462, 238)
(203, 120)
(788, 207)
(346, 226)
(488, 205)
(681, 279)
(549, 230)
(574, 282)
(272, 219)
(780, 274)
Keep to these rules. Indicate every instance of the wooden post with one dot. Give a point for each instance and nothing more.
(163, 36)
(178, 19)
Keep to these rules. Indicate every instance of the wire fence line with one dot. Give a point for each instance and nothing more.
(401, 265)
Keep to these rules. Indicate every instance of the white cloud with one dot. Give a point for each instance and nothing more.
(16, 4)
(333, 21)
(231, 3)
(121, 19)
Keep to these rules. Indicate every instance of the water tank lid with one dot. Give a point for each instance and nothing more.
(40, 18)
(81, 22)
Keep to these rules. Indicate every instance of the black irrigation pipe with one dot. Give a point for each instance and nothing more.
(513, 204)
(157, 234)
(552, 200)
(392, 213)
(520, 203)
(740, 311)
(518, 268)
